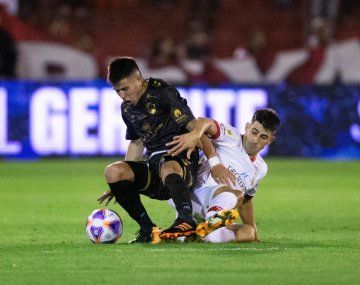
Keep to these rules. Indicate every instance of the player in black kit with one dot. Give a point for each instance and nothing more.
(154, 112)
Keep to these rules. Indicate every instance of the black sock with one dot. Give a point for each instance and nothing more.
(180, 194)
(129, 199)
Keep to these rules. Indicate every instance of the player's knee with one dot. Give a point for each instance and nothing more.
(225, 200)
(235, 196)
(170, 167)
(247, 234)
(252, 233)
(118, 171)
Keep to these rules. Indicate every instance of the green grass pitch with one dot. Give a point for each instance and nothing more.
(308, 215)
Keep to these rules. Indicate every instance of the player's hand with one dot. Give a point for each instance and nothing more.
(107, 195)
(187, 141)
(222, 175)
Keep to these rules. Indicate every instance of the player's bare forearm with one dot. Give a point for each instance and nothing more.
(135, 150)
(190, 126)
(207, 146)
(190, 140)
(207, 127)
(246, 212)
(219, 172)
(202, 126)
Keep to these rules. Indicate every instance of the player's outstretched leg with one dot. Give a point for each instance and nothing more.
(219, 219)
(232, 233)
(220, 212)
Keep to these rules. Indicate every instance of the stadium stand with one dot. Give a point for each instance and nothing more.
(249, 41)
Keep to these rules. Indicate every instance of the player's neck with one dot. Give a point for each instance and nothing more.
(143, 87)
(251, 155)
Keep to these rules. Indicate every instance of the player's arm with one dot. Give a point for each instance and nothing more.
(135, 150)
(218, 171)
(183, 117)
(203, 126)
(246, 212)
(195, 137)
(136, 146)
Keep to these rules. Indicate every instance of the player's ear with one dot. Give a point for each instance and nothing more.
(272, 139)
(247, 127)
(137, 76)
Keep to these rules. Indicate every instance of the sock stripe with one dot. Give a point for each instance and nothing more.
(215, 209)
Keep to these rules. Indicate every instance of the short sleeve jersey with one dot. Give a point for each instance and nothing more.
(160, 114)
(248, 171)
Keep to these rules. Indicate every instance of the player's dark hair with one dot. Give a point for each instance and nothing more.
(121, 68)
(268, 118)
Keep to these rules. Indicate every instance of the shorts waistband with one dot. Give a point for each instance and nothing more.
(157, 152)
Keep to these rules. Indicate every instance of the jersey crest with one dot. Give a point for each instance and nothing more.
(151, 108)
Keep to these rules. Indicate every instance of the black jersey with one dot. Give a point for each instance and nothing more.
(160, 114)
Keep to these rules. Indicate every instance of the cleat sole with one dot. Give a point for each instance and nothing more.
(176, 235)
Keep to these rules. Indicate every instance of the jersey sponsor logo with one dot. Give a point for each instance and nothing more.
(179, 116)
(229, 132)
(149, 96)
(240, 177)
(152, 132)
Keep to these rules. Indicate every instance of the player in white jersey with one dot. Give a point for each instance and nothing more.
(240, 154)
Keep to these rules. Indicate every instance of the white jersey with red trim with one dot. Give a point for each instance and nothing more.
(230, 150)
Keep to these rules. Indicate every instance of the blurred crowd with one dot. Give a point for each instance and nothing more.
(66, 21)
(8, 54)
(83, 25)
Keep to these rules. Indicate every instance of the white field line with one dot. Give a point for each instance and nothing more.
(218, 249)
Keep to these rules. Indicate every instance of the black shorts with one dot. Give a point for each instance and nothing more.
(147, 173)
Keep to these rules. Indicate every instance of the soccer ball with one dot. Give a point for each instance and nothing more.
(104, 226)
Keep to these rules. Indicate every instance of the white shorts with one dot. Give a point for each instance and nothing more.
(200, 200)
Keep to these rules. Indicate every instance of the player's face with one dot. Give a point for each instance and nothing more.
(130, 88)
(256, 137)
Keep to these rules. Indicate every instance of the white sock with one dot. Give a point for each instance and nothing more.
(220, 235)
(223, 201)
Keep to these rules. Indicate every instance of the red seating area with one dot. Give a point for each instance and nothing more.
(129, 29)
(104, 29)
(235, 20)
